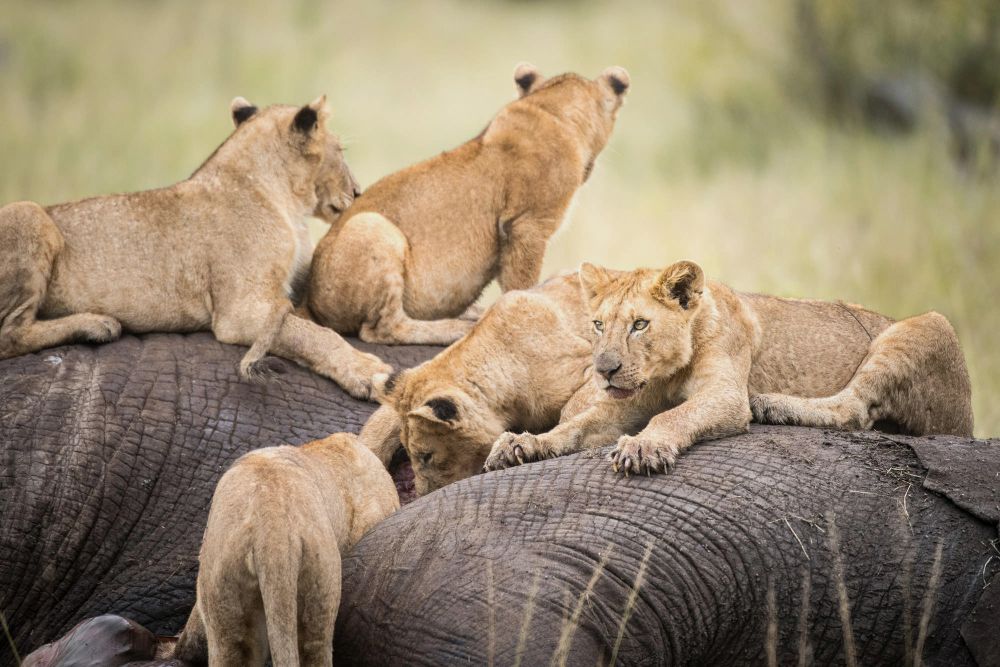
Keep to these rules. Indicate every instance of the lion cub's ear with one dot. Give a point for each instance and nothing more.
(592, 278)
(241, 110)
(439, 410)
(384, 386)
(311, 116)
(526, 78)
(681, 283)
(617, 79)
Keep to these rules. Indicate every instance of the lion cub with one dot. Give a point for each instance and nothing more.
(525, 363)
(681, 360)
(418, 247)
(227, 250)
(270, 558)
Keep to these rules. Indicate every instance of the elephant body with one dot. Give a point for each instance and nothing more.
(540, 563)
(109, 456)
(108, 459)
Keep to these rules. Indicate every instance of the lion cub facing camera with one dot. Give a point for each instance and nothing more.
(416, 249)
(681, 359)
(280, 519)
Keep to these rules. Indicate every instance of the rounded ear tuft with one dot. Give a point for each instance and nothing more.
(681, 282)
(617, 79)
(592, 277)
(444, 408)
(306, 120)
(526, 76)
(241, 110)
(384, 386)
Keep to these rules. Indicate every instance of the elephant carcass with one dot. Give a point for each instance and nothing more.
(779, 543)
(108, 459)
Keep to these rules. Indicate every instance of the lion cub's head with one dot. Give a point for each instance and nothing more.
(296, 133)
(589, 105)
(642, 323)
(446, 433)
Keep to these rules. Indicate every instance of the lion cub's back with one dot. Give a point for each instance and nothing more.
(809, 348)
(270, 493)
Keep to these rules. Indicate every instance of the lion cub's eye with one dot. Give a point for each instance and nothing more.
(640, 324)
(425, 458)
(598, 326)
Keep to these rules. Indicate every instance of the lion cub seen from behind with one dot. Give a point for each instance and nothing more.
(279, 521)
(417, 248)
(681, 359)
(226, 250)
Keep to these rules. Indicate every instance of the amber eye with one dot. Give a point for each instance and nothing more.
(598, 326)
(640, 324)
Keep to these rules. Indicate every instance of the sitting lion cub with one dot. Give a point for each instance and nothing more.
(524, 364)
(224, 250)
(682, 360)
(280, 519)
(418, 247)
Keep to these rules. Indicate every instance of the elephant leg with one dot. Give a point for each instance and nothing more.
(914, 379)
(30, 242)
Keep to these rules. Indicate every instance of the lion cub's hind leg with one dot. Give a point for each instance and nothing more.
(913, 378)
(370, 259)
(29, 244)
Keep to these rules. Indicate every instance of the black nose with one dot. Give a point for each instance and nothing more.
(608, 371)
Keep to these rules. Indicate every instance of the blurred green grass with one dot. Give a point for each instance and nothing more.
(719, 155)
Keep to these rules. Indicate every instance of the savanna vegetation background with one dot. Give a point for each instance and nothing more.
(823, 148)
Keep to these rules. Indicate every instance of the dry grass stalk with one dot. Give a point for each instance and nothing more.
(633, 596)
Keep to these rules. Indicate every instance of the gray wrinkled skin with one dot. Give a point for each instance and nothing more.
(452, 574)
(108, 458)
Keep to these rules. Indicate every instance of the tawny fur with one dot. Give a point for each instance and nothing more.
(682, 360)
(525, 359)
(269, 576)
(227, 250)
(415, 251)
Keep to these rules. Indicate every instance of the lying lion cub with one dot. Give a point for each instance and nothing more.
(224, 250)
(524, 365)
(421, 244)
(280, 518)
(683, 360)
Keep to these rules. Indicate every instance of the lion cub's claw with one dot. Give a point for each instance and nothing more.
(636, 455)
(512, 449)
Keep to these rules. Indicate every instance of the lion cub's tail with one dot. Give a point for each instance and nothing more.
(277, 567)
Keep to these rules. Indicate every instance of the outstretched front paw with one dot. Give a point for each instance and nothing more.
(512, 449)
(357, 379)
(768, 409)
(634, 455)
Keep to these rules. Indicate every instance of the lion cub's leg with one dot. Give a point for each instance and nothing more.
(365, 290)
(267, 325)
(319, 600)
(914, 376)
(30, 242)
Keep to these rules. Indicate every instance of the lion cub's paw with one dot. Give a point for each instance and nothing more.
(634, 455)
(512, 449)
(768, 409)
(100, 329)
(358, 380)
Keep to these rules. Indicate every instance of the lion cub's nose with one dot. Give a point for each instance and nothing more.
(607, 366)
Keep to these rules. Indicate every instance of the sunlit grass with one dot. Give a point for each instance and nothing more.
(715, 158)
